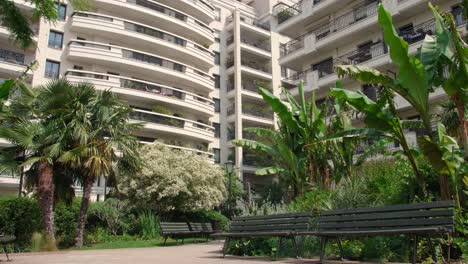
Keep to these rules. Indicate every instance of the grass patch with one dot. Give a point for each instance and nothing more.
(138, 243)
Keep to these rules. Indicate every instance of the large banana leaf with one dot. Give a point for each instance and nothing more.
(280, 109)
(412, 76)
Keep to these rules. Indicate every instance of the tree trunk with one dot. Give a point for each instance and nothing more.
(444, 187)
(463, 122)
(46, 199)
(420, 179)
(88, 182)
(326, 182)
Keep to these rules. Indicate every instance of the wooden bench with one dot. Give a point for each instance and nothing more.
(416, 220)
(282, 226)
(5, 240)
(176, 230)
(203, 229)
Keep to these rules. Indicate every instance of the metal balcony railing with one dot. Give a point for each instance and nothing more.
(356, 15)
(362, 55)
(264, 44)
(285, 12)
(11, 57)
(291, 46)
(251, 21)
(418, 32)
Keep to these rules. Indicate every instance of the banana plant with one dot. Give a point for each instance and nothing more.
(381, 120)
(418, 75)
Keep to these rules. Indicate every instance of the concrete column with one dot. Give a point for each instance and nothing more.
(237, 88)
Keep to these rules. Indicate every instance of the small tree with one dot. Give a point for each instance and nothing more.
(174, 180)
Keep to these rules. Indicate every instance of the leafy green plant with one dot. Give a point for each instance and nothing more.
(149, 224)
(112, 214)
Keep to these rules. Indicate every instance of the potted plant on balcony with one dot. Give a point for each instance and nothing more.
(284, 15)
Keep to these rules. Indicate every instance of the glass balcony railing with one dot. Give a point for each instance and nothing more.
(157, 119)
(11, 57)
(257, 111)
(253, 64)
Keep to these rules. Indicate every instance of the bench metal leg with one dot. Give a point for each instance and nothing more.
(280, 244)
(225, 246)
(323, 245)
(415, 249)
(341, 249)
(431, 246)
(296, 247)
(165, 240)
(6, 252)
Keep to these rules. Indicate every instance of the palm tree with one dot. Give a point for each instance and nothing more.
(99, 136)
(39, 135)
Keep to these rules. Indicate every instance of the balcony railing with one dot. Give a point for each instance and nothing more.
(143, 57)
(346, 20)
(167, 120)
(231, 110)
(11, 57)
(362, 55)
(147, 30)
(292, 82)
(418, 32)
(202, 2)
(144, 86)
(256, 111)
(165, 10)
(251, 21)
(263, 44)
(291, 46)
(285, 12)
(255, 65)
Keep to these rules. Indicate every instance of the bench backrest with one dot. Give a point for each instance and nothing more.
(174, 227)
(271, 223)
(201, 227)
(436, 214)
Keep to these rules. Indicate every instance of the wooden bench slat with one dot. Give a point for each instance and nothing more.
(392, 215)
(391, 208)
(271, 222)
(277, 216)
(388, 223)
(271, 227)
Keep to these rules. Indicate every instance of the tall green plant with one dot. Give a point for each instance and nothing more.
(416, 79)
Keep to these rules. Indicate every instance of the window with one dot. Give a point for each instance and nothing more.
(457, 12)
(52, 69)
(370, 91)
(61, 10)
(217, 155)
(217, 105)
(217, 81)
(217, 128)
(217, 58)
(55, 39)
(324, 67)
(77, 67)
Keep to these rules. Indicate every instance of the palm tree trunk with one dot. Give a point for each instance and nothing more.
(88, 182)
(444, 187)
(46, 199)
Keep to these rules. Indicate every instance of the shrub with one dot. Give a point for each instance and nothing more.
(174, 180)
(218, 220)
(66, 216)
(20, 217)
(112, 214)
(312, 201)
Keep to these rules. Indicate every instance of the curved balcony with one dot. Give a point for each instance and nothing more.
(138, 90)
(142, 64)
(200, 9)
(161, 16)
(172, 125)
(12, 63)
(148, 38)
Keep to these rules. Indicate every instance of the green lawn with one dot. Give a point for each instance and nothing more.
(126, 243)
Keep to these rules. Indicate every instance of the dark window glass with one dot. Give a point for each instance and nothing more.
(370, 91)
(324, 68)
(217, 104)
(61, 10)
(457, 12)
(52, 69)
(55, 39)
(217, 80)
(217, 155)
(217, 58)
(217, 128)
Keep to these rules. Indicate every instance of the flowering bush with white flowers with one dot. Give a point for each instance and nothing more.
(174, 180)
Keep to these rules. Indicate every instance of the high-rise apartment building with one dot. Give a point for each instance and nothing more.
(190, 68)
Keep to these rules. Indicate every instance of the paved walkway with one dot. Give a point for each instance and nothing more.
(206, 253)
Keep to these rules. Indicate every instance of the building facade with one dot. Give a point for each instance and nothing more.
(190, 68)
